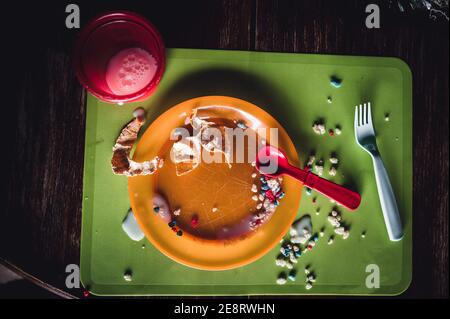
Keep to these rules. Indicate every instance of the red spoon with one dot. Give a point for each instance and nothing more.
(272, 162)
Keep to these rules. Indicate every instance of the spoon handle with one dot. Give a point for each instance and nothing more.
(338, 193)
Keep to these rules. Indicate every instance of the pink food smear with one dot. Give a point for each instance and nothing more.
(130, 70)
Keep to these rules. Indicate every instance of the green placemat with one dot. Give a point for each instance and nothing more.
(294, 88)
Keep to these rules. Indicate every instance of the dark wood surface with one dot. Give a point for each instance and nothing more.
(41, 215)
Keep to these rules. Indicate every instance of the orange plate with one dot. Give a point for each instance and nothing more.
(203, 188)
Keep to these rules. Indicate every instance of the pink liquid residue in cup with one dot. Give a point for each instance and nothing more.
(130, 70)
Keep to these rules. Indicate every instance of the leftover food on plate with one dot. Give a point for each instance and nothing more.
(212, 184)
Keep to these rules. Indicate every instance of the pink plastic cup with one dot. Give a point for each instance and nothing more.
(105, 36)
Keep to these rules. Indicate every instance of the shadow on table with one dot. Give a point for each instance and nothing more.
(22, 289)
(234, 83)
(242, 85)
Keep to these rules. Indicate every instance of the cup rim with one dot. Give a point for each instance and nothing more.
(91, 27)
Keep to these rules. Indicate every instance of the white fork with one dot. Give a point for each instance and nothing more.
(365, 137)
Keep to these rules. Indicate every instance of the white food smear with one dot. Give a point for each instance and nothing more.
(163, 208)
(186, 153)
(301, 230)
(131, 227)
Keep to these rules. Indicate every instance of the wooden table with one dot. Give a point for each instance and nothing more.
(44, 135)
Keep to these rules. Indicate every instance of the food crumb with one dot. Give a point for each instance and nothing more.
(214, 209)
(334, 160)
(329, 100)
(335, 81)
(281, 278)
(319, 128)
(128, 276)
(254, 175)
(332, 171)
(292, 275)
(281, 281)
(318, 167)
(386, 117)
(194, 221)
(280, 262)
(255, 198)
(337, 130)
(177, 212)
(330, 240)
(334, 218)
(311, 160)
(363, 234)
(346, 234)
(254, 188)
(292, 258)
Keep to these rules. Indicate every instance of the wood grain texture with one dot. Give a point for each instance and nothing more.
(41, 216)
(335, 27)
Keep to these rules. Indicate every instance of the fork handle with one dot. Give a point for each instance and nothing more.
(387, 200)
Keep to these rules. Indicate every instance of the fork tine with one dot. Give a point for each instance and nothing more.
(356, 117)
(360, 115)
(369, 116)
(364, 113)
